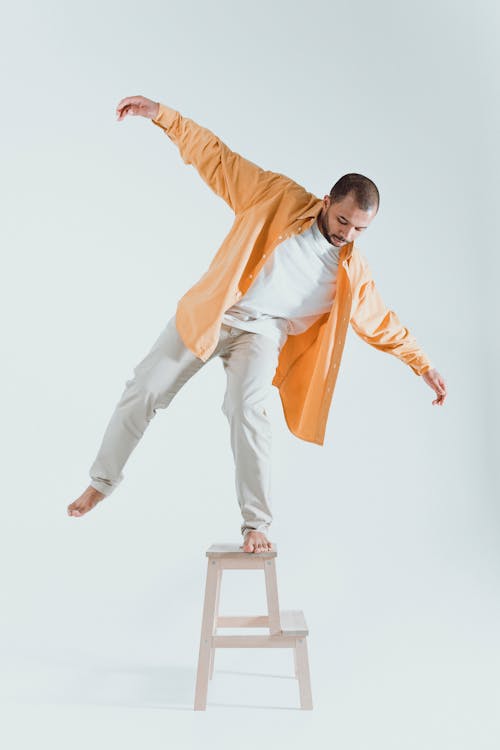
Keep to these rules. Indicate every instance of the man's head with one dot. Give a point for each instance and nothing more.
(348, 210)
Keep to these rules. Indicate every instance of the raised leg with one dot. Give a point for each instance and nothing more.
(157, 378)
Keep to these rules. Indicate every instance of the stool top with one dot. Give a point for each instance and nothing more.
(234, 550)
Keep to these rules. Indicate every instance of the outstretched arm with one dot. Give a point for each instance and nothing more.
(380, 327)
(240, 182)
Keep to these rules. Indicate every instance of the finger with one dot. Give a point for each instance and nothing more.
(122, 104)
(126, 104)
(123, 101)
(128, 100)
(133, 109)
(130, 109)
(123, 111)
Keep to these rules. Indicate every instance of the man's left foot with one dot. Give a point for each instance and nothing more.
(256, 541)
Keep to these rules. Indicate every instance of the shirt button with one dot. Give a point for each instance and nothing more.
(280, 237)
(263, 255)
(250, 276)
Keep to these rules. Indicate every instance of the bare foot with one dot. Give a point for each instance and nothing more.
(256, 541)
(85, 502)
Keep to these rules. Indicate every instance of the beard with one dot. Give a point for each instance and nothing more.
(325, 231)
(324, 228)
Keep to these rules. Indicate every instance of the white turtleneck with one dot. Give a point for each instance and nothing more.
(295, 286)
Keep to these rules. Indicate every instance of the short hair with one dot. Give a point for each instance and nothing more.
(365, 191)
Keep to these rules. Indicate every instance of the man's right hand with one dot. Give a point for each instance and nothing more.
(137, 105)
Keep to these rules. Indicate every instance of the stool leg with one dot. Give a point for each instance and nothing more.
(217, 599)
(295, 669)
(273, 607)
(207, 629)
(303, 675)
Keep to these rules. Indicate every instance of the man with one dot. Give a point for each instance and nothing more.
(274, 305)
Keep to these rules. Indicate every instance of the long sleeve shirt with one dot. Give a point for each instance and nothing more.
(294, 288)
(269, 208)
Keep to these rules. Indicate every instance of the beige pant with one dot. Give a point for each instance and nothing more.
(250, 361)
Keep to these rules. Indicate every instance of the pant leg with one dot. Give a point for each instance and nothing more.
(157, 378)
(250, 363)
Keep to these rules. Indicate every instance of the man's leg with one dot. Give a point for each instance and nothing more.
(250, 363)
(157, 378)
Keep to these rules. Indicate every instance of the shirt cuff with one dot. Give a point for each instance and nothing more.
(166, 117)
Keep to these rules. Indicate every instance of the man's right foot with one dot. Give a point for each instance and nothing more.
(256, 541)
(85, 502)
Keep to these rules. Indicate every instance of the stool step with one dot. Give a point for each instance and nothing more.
(293, 622)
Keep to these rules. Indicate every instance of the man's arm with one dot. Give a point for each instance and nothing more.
(240, 182)
(380, 327)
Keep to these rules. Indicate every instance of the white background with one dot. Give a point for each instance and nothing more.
(388, 535)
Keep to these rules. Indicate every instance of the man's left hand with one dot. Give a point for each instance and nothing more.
(435, 381)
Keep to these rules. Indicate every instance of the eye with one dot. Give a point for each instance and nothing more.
(342, 222)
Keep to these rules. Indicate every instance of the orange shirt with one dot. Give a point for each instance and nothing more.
(269, 207)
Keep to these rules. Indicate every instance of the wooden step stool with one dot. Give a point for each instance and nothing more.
(287, 628)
